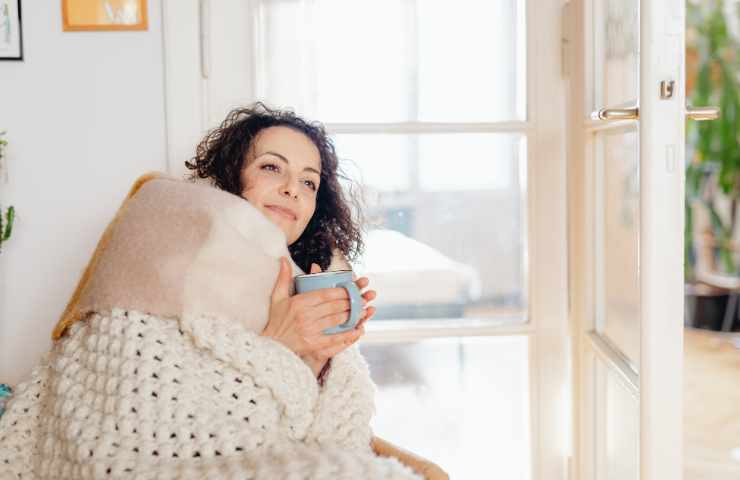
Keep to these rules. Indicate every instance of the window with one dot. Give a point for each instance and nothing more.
(426, 104)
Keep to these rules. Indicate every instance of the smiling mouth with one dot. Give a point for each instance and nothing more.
(281, 212)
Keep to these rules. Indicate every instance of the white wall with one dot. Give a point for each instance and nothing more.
(85, 116)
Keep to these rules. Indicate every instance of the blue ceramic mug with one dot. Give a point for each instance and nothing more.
(339, 278)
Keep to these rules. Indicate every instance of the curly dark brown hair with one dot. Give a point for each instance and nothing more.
(220, 157)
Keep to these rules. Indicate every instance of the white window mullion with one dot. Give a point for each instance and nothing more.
(401, 331)
(412, 10)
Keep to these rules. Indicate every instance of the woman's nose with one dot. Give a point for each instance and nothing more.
(290, 188)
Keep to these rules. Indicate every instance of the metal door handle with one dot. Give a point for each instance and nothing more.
(633, 113)
(702, 113)
(629, 113)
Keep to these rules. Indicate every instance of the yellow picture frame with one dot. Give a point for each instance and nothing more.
(104, 15)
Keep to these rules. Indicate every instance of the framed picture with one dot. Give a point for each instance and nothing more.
(11, 39)
(97, 15)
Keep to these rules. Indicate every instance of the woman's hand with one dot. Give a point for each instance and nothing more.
(316, 362)
(368, 296)
(298, 322)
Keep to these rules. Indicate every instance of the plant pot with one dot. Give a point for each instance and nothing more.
(704, 306)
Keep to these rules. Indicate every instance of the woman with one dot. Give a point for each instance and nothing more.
(288, 169)
(170, 360)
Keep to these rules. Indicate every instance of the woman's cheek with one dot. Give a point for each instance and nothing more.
(307, 218)
(247, 185)
(248, 194)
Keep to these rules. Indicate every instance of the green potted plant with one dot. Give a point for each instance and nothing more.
(713, 153)
(7, 216)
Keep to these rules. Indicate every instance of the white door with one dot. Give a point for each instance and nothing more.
(454, 114)
(626, 175)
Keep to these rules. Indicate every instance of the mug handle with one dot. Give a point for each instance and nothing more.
(355, 308)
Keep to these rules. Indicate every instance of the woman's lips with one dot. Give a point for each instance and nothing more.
(282, 211)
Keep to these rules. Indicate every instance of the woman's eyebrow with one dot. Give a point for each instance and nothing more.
(281, 157)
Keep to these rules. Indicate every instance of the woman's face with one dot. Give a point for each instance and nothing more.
(281, 177)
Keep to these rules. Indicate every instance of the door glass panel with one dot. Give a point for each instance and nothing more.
(616, 39)
(617, 235)
(385, 61)
(447, 224)
(618, 438)
(614, 170)
(461, 402)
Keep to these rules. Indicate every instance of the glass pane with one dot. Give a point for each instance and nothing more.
(617, 236)
(447, 224)
(619, 441)
(475, 70)
(385, 61)
(616, 29)
(463, 403)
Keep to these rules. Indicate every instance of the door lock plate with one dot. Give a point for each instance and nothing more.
(666, 89)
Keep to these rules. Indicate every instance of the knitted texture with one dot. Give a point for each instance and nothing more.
(127, 394)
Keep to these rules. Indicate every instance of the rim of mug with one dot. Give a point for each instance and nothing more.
(320, 273)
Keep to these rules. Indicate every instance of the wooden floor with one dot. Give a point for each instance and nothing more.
(711, 405)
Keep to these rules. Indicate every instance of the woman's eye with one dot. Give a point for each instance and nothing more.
(274, 168)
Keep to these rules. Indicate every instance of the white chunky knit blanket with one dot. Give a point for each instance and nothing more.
(131, 395)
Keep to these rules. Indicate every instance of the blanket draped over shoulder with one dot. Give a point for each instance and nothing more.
(158, 370)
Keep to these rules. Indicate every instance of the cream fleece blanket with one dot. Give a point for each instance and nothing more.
(177, 248)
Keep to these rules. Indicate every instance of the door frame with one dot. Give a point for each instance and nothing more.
(658, 386)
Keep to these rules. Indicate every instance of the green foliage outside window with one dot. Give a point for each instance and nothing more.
(713, 167)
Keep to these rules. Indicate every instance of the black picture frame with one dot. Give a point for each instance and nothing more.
(14, 54)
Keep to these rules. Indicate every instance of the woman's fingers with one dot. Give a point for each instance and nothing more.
(329, 321)
(369, 295)
(328, 307)
(341, 342)
(322, 295)
(332, 307)
(339, 318)
(368, 315)
(342, 305)
(345, 338)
